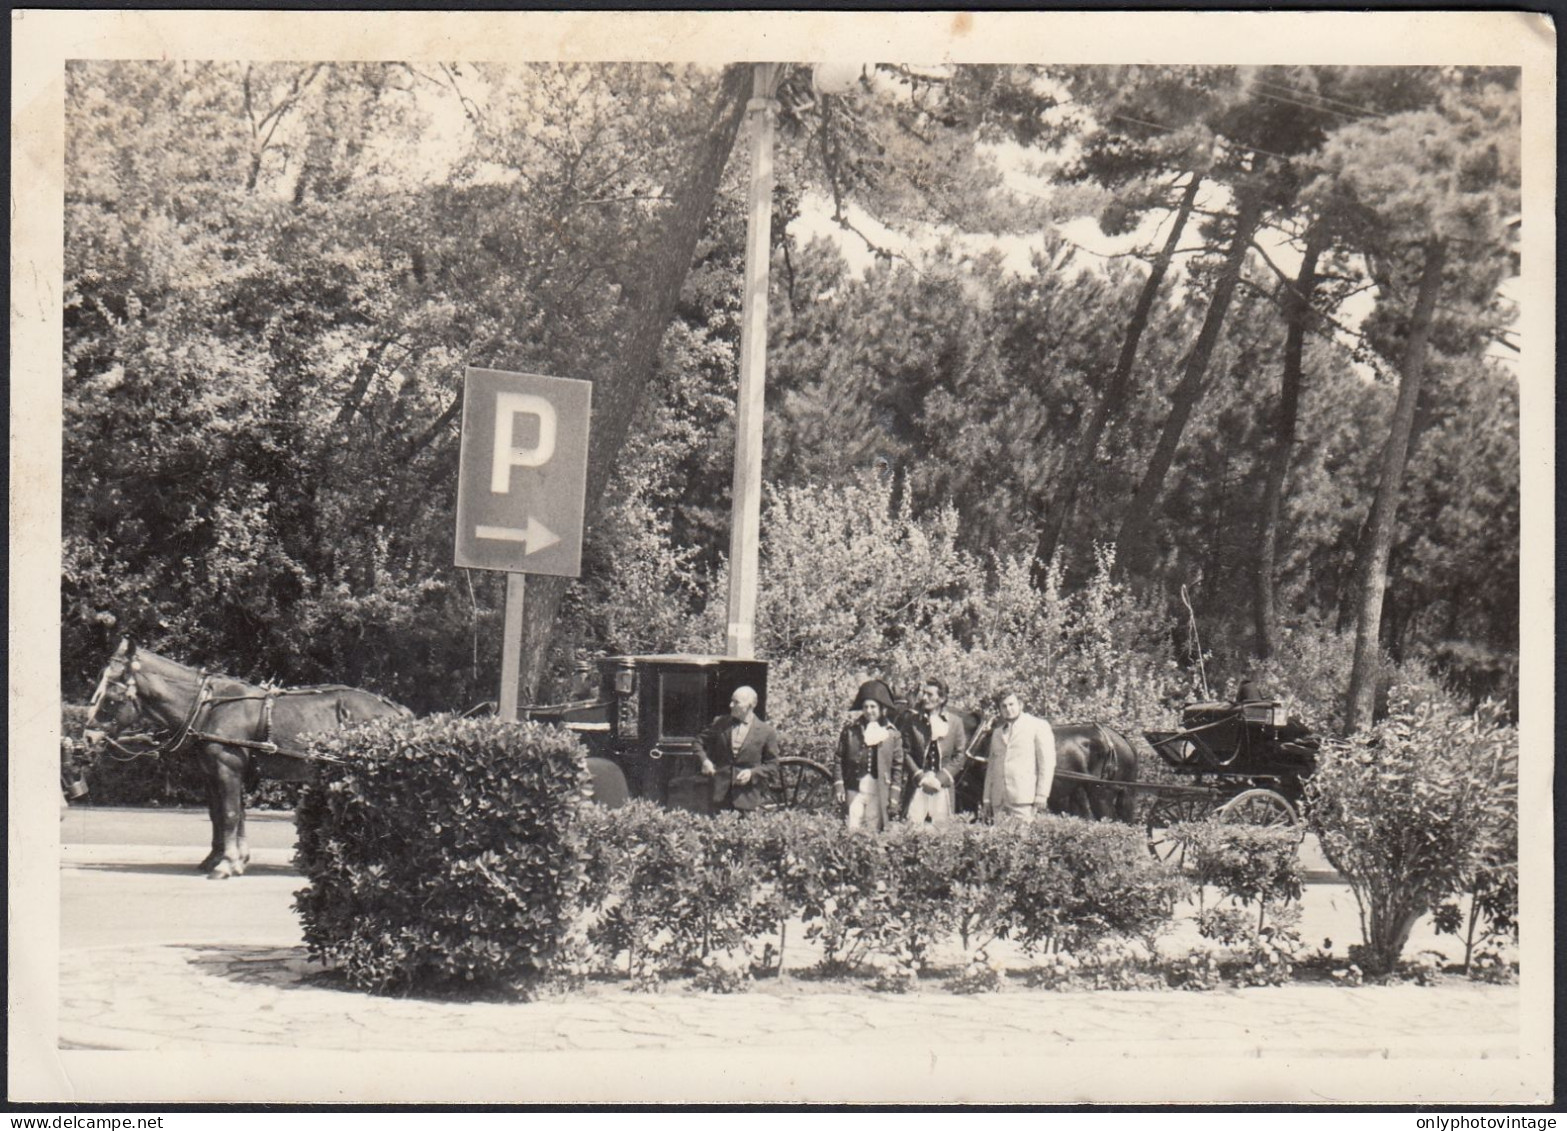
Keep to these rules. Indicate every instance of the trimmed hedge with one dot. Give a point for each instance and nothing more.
(443, 853)
(447, 854)
(671, 893)
(1256, 876)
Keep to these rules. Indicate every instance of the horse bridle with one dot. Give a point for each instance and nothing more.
(125, 683)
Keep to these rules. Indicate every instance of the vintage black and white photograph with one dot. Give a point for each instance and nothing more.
(833, 558)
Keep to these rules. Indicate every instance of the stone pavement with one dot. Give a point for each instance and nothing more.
(158, 1001)
(190, 996)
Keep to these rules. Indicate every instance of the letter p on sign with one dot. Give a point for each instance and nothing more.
(508, 406)
(523, 473)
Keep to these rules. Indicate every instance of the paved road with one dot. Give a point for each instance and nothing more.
(156, 958)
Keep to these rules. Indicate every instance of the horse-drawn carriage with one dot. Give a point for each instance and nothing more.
(1240, 763)
(1243, 763)
(643, 730)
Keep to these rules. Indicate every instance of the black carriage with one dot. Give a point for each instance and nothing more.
(642, 719)
(1239, 762)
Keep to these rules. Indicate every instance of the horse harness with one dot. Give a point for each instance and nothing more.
(205, 699)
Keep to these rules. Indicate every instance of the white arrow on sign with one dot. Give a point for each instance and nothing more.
(536, 537)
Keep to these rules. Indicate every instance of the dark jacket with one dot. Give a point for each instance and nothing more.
(944, 757)
(854, 759)
(758, 753)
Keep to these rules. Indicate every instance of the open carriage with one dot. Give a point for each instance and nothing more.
(1239, 762)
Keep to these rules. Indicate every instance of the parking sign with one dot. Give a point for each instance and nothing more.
(523, 475)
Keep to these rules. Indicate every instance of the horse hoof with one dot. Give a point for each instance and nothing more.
(238, 867)
(222, 872)
(210, 862)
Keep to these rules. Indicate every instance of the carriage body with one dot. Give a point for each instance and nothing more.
(1241, 739)
(643, 726)
(1235, 747)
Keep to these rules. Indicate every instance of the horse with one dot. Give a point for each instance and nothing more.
(236, 730)
(1083, 750)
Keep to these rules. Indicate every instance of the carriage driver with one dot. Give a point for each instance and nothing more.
(1022, 763)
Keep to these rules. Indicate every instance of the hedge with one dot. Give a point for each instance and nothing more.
(442, 852)
(671, 893)
(450, 854)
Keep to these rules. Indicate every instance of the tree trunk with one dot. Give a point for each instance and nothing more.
(1115, 390)
(618, 390)
(1297, 311)
(1132, 539)
(1377, 544)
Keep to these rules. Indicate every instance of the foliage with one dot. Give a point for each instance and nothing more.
(857, 586)
(442, 854)
(1412, 810)
(1075, 883)
(275, 274)
(674, 893)
(1256, 873)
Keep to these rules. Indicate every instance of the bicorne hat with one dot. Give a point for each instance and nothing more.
(873, 689)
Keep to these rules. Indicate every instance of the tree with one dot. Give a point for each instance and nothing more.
(1412, 184)
(648, 296)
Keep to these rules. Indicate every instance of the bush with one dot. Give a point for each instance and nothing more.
(1256, 873)
(677, 893)
(442, 853)
(858, 586)
(1073, 883)
(1411, 811)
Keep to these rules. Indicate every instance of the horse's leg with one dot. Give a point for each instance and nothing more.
(230, 776)
(209, 781)
(241, 845)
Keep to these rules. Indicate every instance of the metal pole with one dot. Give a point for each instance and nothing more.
(745, 525)
(511, 644)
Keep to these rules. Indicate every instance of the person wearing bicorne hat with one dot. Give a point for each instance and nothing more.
(869, 750)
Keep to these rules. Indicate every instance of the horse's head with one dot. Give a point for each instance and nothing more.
(115, 703)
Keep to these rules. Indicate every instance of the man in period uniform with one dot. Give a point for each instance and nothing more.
(936, 743)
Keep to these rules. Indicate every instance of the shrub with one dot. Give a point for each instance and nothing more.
(859, 586)
(1256, 874)
(442, 853)
(1411, 810)
(1073, 883)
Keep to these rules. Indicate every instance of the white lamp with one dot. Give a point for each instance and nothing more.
(836, 78)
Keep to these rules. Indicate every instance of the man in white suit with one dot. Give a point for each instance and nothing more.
(1022, 763)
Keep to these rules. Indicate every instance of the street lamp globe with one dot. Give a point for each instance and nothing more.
(836, 78)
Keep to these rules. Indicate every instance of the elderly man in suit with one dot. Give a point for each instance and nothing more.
(1022, 763)
(740, 753)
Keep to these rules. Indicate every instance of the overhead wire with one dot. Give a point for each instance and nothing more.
(1320, 97)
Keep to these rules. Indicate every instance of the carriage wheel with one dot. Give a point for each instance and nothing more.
(803, 785)
(1173, 811)
(1260, 808)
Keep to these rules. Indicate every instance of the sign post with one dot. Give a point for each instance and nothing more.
(521, 489)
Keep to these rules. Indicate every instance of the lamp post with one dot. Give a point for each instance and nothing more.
(746, 520)
(746, 502)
